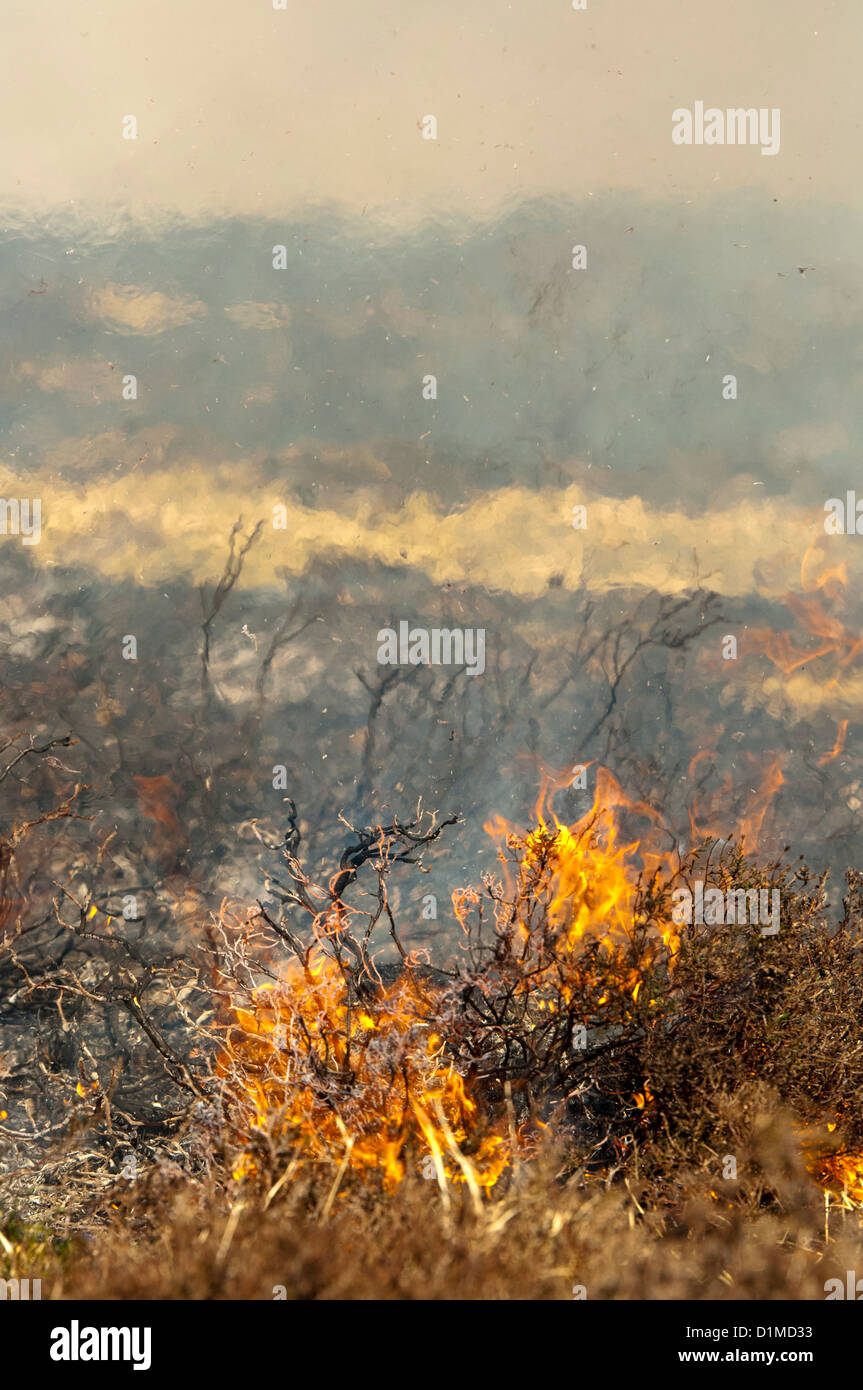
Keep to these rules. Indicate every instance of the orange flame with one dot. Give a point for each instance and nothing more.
(371, 1084)
(588, 876)
(709, 814)
(838, 746)
(811, 614)
(357, 1083)
(839, 1173)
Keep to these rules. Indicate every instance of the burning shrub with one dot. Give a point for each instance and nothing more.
(629, 1057)
(366, 1082)
(461, 1068)
(576, 1003)
(580, 944)
(338, 1060)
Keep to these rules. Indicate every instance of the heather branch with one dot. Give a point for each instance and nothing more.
(213, 606)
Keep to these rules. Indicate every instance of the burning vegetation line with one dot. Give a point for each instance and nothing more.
(573, 1010)
(409, 1068)
(577, 1016)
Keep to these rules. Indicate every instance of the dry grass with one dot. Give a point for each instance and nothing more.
(683, 1152)
(170, 1238)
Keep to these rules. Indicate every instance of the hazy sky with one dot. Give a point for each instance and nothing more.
(258, 386)
(251, 111)
(302, 385)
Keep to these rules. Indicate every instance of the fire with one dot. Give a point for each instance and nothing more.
(842, 1176)
(382, 1078)
(708, 815)
(369, 1084)
(587, 875)
(831, 636)
(644, 1098)
(838, 746)
(372, 1083)
(839, 1173)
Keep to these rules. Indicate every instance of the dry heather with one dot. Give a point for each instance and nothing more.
(175, 1237)
(588, 1098)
